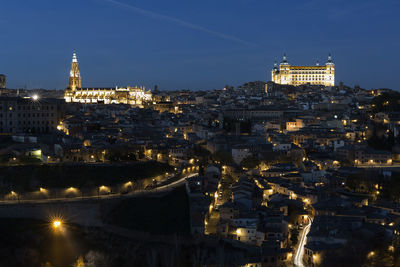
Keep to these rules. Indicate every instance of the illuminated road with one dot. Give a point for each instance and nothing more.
(156, 190)
(176, 183)
(298, 257)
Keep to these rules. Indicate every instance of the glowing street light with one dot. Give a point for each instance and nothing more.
(56, 224)
(13, 195)
(371, 254)
(127, 186)
(316, 259)
(103, 190)
(290, 255)
(35, 97)
(43, 190)
(72, 191)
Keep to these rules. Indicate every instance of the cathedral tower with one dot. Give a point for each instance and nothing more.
(74, 75)
(75, 93)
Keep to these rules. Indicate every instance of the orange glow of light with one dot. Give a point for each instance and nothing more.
(56, 224)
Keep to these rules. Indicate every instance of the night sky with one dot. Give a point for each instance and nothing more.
(186, 44)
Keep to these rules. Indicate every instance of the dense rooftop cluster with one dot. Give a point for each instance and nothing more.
(275, 163)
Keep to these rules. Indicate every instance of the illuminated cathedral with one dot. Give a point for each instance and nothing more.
(117, 95)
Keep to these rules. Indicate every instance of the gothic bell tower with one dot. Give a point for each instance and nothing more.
(74, 75)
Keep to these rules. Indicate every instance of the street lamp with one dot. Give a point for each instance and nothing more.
(13, 195)
(104, 189)
(56, 224)
(43, 191)
(370, 254)
(289, 256)
(127, 186)
(71, 191)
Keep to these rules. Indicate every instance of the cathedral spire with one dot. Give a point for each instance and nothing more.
(74, 75)
(74, 58)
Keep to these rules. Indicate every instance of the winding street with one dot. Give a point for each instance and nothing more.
(298, 257)
(135, 193)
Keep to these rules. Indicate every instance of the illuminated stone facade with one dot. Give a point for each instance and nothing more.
(298, 75)
(128, 95)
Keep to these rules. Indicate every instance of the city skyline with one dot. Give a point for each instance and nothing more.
(245, 133)
(172, 46)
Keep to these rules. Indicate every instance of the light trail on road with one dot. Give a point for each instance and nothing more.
(298, 257)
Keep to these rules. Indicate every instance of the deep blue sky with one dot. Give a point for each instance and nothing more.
(201, 44)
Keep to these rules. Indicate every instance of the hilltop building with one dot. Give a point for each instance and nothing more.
(288, 74)
(117, 95)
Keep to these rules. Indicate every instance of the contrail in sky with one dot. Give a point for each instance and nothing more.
(180, 22)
